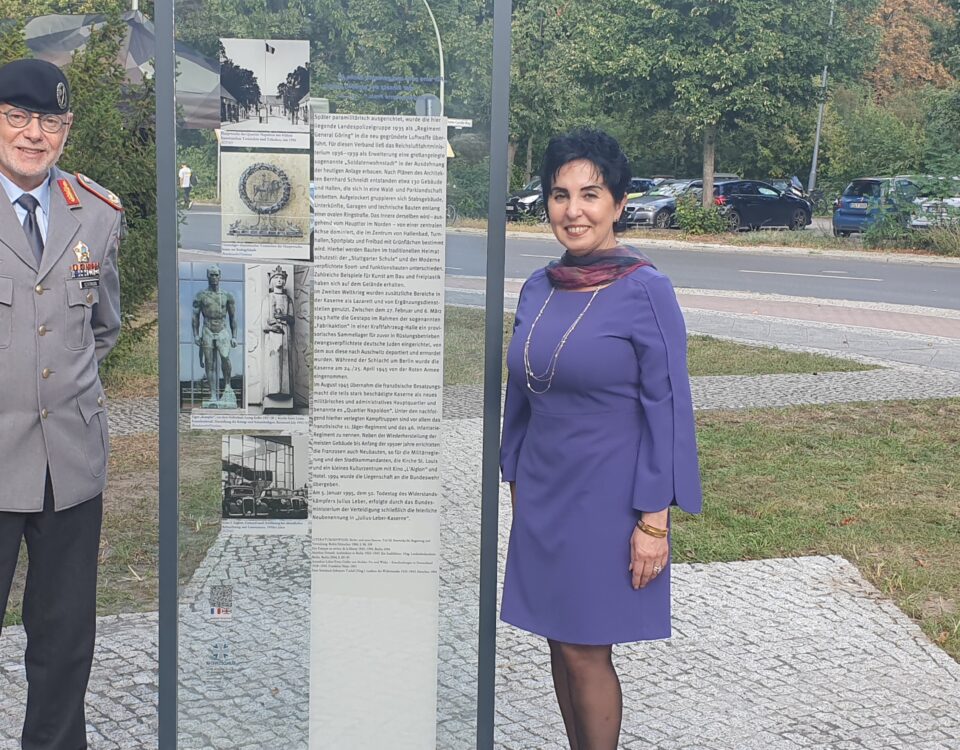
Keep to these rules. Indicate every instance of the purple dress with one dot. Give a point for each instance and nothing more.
(613, 436)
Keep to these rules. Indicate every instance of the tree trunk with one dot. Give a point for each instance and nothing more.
(528, 172)
(709, 154)
(511, 156)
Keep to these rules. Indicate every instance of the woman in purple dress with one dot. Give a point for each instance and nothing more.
(598, 440)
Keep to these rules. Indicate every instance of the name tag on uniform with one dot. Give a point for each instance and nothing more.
(89, 283)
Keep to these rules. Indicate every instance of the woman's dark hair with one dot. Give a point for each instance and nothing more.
(596, 147)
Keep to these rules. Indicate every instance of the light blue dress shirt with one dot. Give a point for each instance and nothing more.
(42, 194)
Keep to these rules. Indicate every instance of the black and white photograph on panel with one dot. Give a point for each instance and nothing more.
(265, 205)
(265, 93)
(264, 483)
(211, 336)
(278, 338)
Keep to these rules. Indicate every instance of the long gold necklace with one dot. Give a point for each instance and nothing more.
(547, 375)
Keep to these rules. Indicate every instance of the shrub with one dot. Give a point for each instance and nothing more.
(198, 149)
(693, 218)
(468, 185)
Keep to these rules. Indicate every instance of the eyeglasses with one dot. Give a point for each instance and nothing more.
(20, 118)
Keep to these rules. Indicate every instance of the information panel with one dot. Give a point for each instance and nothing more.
(375, 479)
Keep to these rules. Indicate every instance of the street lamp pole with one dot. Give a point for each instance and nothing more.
(436, 30)
(812, 182)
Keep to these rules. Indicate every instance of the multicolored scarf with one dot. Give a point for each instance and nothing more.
(596, 268)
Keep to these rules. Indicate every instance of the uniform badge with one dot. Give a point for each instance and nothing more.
(86, 271)
(69, 194)
(82, 252)
(62, 96)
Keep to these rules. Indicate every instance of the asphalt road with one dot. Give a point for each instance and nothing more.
(825, 277)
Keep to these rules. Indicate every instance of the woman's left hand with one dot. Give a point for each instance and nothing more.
(648, 557)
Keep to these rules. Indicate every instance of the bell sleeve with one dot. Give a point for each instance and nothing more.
(516, 415)
(667, 471)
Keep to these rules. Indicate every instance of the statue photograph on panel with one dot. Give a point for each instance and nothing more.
(211, 341)
(278, 338)
(260, 477)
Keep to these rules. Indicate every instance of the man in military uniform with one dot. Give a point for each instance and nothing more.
(216, 340)
(59, 317)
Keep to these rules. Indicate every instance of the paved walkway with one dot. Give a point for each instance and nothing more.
(773, 655)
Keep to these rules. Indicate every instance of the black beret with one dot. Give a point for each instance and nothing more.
(35, 85)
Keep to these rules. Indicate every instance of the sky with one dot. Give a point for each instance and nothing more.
(270, 69)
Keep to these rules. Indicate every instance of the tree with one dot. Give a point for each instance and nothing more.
(240, 82)
(905, 55)
(545, 94)
(294, 88)
(720, 63)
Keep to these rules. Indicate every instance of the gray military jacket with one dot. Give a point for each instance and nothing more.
(57, 322)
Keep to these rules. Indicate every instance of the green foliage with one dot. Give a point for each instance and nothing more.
(693, 218)
(468, 186)
(860, 139)
(113, 141)
(198, 149)
(12, 44)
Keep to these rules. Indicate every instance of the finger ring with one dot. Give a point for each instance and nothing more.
(657, 569)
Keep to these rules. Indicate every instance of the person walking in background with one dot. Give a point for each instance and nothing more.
(185, 176)
(59, 317)
(598, 440)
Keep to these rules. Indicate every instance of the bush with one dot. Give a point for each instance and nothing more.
(198, 150)
(693, 218)
(468, 185)
(113, 142)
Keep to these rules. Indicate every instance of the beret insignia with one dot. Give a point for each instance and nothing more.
(102, 193)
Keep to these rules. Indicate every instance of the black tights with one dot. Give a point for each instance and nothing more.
(588, 691)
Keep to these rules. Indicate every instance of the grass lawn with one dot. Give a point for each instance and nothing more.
(463, 353)
(876, 483)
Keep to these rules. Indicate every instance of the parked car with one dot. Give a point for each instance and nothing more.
(527, 202)
(935, 212)
(243, 501)
(865, 200)
(752, 204)
(938, 204)
(657, 207)
(283, 503)
(639, 186)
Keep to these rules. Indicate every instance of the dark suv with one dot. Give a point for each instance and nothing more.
(751, 204)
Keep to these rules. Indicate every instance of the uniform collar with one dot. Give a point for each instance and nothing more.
(41, 193)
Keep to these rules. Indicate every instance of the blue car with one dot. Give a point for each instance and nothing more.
(867, 199)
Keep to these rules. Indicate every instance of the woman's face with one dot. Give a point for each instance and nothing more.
(581, 208)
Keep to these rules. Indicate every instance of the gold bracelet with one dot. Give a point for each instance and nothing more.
(652, 530)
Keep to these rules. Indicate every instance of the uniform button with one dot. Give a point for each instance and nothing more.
(44, 413)
(42, 330)
(45, 373)
(38, 289)
(89, 296)
(99, 400)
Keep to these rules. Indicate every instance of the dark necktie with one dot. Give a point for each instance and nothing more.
(30, 226)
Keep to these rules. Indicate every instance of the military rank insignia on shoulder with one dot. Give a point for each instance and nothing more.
(69, 194)
(101, 192)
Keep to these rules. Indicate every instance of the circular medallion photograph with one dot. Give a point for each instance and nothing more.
(264, 188)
